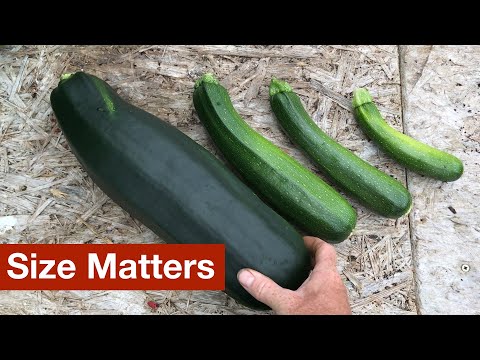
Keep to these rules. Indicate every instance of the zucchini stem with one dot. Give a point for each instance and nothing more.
(361, 96)
(65, 77)
(208, 78)
(279, 86)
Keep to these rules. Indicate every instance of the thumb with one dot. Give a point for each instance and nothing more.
(262, 288)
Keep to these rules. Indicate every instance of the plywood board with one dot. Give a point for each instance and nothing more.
(441, 92)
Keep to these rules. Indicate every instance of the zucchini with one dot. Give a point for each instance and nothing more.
(372, 187)
(174, 186)
(295, 192)
(412, 154)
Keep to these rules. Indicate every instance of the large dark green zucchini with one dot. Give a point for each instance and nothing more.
(295, 192)
(372, 187)
(411, 153)
(174, 186)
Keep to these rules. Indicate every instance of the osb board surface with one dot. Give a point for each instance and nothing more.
(441, 86)
(47, 198)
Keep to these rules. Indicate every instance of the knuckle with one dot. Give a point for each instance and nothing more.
(329, 250)
(338, 279)
(261, 289)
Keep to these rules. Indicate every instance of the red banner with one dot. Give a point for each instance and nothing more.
(112, 267)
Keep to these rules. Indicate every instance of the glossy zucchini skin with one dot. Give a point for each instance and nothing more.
(174, 186)
(295, 192)
(370, 186)
(414, 155)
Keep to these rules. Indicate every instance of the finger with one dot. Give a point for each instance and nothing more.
(263, 288)
(323, 253)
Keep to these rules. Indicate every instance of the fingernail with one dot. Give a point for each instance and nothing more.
(245, 277)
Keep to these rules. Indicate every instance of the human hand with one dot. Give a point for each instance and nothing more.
(323, 292)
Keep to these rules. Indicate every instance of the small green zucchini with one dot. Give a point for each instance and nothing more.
(372, 187)
(294, 191)
(414, 155)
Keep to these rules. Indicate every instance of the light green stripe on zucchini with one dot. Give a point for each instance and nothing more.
(100, 85)
(104, 91)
